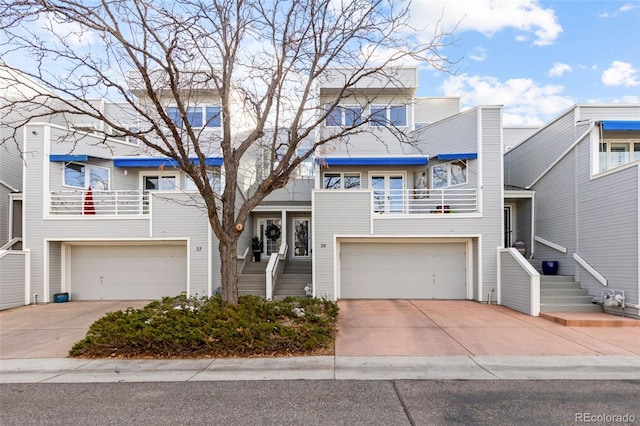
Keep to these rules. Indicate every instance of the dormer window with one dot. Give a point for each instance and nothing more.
(201, 116)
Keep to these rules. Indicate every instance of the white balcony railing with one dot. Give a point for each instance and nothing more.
(92, 203)
(425, 201)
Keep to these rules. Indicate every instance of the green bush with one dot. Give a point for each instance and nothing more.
(183, 327)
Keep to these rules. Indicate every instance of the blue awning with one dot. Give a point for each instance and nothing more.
(62, 158)
(152, 162)
(621, 125)
(373, 161)
(461, 156)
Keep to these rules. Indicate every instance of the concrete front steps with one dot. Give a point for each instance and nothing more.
(291, 282)
(561, 293)
(252, 279)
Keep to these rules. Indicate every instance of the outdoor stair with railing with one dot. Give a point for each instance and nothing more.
(294, 277)
(561, 293)
(252, 279)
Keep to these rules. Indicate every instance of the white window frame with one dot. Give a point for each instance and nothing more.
(160, 175)
(448, 165)
(203, 115)
(387, 110)
(607, 158)
(343, 175)
(87, 175)
(306, 169)
(342, 109)
(215, 180)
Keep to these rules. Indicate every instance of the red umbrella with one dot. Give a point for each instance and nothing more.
(88, 203)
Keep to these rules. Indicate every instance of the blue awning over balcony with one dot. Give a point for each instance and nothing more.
(373, 161)
(621, 125)
(65, 158)
(150, 162)
(461, 156)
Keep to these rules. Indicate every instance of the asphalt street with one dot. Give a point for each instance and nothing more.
(323, 402)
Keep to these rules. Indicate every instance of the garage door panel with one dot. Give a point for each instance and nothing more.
(127, 272)
(403, 270)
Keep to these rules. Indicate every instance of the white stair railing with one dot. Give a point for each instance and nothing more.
(273, 268)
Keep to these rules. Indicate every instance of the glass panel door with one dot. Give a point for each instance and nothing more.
(268, 245)
(388, 193)
(301, 236)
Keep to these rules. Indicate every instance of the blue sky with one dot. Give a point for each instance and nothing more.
(538, 58)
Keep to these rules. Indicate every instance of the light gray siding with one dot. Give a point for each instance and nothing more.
(529, 160)
(12, 276)
(55, 267)
(607, 227)
(174, 217)
(455, 134)
(593, 216)
(352, 218)
(4, 214)
(556, 214)
(458, 134)
(516, 284)
(430, 110)
(296, 190)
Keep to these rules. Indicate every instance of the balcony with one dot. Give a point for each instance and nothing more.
(92, 203)
(425, 201)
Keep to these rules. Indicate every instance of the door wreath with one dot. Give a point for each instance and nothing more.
(272, 232)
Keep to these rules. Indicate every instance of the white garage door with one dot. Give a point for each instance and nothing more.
(127, 272)
(408, 270)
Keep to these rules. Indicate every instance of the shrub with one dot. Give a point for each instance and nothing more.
(183, 327)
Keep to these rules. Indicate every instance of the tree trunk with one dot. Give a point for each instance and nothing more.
(228, 270)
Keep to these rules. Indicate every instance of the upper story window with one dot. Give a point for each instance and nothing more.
(160, 182)
(305, 169)
(214, 178)
(344, 116)
(79, 175)
(201, 116)
(615, 153)
(449, 174)
(388, 115)
(341, 181)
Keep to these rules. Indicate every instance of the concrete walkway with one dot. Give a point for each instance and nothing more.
(381, 339)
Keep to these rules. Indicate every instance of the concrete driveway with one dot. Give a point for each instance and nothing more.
(50, 330)
(365, 328)
(440, 327)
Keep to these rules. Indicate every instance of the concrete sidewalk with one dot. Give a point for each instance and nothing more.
(66, 370)
(377, 339)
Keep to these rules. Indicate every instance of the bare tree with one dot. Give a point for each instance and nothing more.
(270, 57)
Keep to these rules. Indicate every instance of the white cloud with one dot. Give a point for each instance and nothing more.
(490, 17)
(620, 74)
(71, 32)
(627, 7)
(479, 54)
(558, 69)
(525, 101)
(624, 8)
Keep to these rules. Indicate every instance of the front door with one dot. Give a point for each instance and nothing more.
(388, 192)
(301, 238)
(508, 226)
(268, 245)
